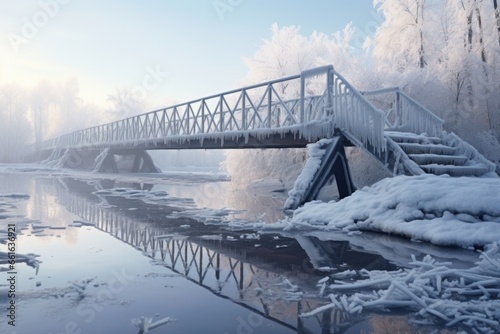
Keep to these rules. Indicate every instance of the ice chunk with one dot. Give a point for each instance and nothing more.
(145, 324)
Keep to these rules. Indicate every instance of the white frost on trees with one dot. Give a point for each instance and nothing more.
(288, 53)
(14, 126)
(459, 78)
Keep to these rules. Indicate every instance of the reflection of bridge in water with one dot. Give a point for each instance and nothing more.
(256, 278)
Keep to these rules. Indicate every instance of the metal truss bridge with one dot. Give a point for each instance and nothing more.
(289, 112)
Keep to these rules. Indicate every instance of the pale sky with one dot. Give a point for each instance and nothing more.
(171, 49)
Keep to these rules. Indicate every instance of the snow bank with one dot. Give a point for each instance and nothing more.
(466, 296)
(462, 212)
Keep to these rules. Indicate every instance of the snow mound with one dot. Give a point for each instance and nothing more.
(442, 210)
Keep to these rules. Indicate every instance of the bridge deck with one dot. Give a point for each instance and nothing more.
(227, 141)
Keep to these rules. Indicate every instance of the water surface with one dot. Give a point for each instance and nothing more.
(162, 247)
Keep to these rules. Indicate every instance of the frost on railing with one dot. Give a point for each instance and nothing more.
(464, 148)
(404, 113)
(312, 105)
(359, 120)
(418, 119)
(268, 106)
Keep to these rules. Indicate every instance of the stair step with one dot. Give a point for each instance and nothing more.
(476, 170)
(413, 148)
(441, 159)
(408, 137)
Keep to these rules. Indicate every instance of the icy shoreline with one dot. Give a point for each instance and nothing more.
(459, 212)
(466, 296)
(462, 212)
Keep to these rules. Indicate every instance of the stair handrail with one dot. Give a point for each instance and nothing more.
(410, 115)
(360, 121)
(466, 149)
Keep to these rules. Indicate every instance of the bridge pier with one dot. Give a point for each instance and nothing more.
(75, 158)
(327, 158)
(125, 160)
(106, 161)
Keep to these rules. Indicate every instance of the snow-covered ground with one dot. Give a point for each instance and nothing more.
(462, 212)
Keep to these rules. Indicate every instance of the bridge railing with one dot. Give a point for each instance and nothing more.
(313, 104)
(268, 106)
(404, 113)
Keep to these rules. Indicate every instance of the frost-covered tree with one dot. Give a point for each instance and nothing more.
(475, 32)
(473, 61)
(124, 104)
(40, 104)
(286, 53)
(57, 109)
(50, 109)
(460, 44)
(70, 117)
(15, 129)
(445, 53)
(73, 113)
(497, 18)
(402, 37)
(289, 52)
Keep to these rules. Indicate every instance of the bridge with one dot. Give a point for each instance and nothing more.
(290, 112)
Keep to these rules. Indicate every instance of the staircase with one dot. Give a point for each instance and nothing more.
(435, 155)
(417, 143)
(413, 138)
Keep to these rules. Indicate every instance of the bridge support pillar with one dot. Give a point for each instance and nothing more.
(75, 158)
(105, 161)
(129, 161)
(327, 159)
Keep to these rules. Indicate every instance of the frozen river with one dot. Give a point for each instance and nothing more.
(115, 253)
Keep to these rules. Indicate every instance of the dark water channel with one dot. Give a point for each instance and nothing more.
(137, 255)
